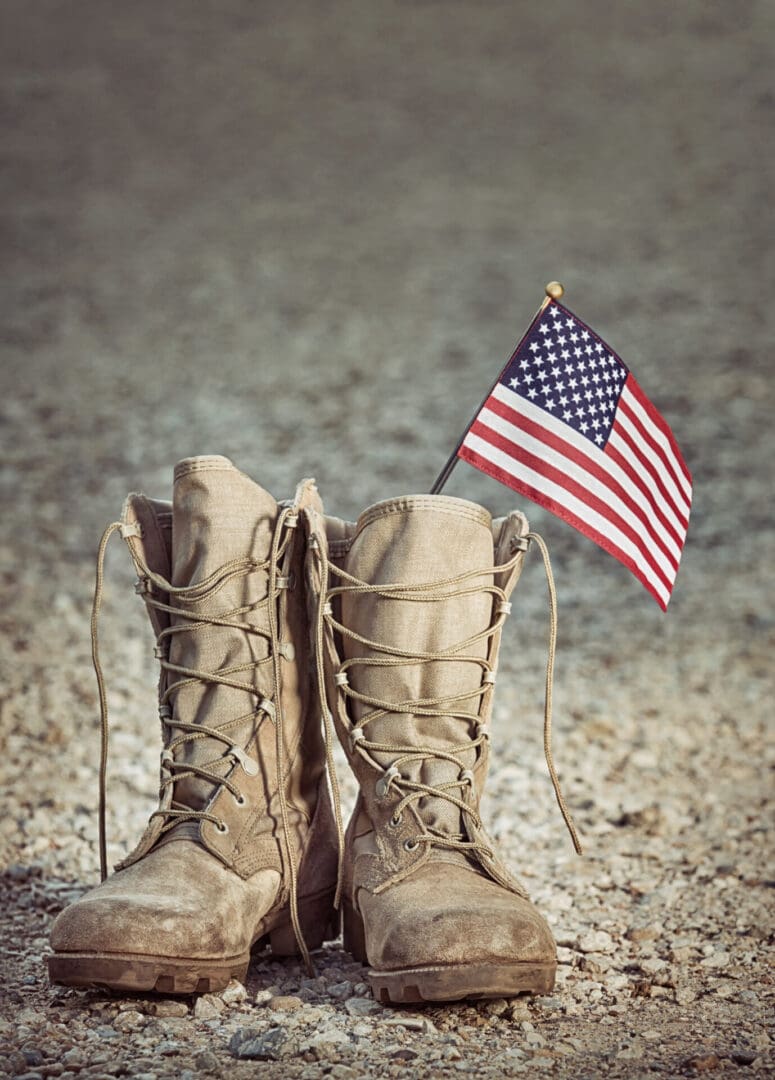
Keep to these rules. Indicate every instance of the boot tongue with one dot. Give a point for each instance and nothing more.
(218, 515)
(411, 541)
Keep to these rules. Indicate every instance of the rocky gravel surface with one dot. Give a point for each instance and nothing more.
(307, 238)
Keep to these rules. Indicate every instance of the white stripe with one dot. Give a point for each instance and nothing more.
(564, 498)
(585, 480)
(616, 472)
(623, 421)
(659, 437)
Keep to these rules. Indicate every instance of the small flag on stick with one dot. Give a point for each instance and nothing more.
(567, 425)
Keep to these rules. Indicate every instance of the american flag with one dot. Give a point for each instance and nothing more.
(567, 426)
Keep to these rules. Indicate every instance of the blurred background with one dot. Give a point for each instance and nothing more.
(307, 236)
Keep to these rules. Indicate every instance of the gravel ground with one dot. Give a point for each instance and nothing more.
(307, 237)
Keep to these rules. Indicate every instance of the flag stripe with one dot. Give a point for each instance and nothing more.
(583, 475)
(562, 437)
(651, 453)
(658, 421)
(534, 486)
(625, 414)
(671, 526)
(615, 527)
(621, 439)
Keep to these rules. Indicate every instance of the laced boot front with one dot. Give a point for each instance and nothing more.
(243, 846)
(412, 602)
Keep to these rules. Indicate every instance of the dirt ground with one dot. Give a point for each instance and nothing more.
(307, 236)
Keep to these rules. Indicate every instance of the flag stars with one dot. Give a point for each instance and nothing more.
(565, 371)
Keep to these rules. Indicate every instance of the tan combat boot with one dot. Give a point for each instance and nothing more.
(412, 601)
(243, 845)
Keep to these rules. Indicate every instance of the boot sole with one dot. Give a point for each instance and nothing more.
(447, 982)
(191, 975)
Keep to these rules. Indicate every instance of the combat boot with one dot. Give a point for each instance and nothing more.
(242, 849)
(413, 598)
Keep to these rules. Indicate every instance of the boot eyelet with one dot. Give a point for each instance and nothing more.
(222, 828)
(411, 845)
(395, 821)
(240, 800)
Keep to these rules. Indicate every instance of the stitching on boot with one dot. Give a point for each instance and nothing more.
(457, 508)
(209, 465)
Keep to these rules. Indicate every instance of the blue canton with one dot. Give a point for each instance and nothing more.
(568, 372)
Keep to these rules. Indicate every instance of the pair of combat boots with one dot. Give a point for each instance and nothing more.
(273, 625)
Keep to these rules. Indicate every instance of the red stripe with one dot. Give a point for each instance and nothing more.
(625, 407)
(647, 467)
(659, 421)
(626, 465)
(538, 465)
(649, 439)
(553, 507)
(578, 457)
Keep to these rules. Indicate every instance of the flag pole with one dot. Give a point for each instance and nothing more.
(554, 291)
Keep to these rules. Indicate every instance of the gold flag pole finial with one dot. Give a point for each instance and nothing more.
(554, 291)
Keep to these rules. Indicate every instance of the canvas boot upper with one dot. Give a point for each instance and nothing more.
(243, 838)
(413, 600)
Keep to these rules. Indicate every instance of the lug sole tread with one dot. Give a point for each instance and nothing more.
(454, 982)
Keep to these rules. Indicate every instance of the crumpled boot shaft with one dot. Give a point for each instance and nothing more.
(243, 845)
(413, 599)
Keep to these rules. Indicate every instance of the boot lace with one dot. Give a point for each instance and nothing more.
(389, 656)
(181, 731)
